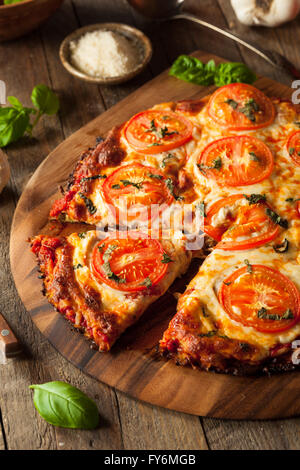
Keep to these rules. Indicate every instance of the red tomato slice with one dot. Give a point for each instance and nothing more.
(293, 147)
(236, 161)
(242, 226)
(157, 131)
(263, 298)
(241, 107)
(132, 189)
(129, 264)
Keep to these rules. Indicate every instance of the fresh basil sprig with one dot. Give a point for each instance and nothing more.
(193, 70)
(15, 120)
(63, 405)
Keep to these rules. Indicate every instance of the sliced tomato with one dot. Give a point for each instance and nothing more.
(293, 147)
(237, 225)
(236, 161)
(261, 297)
(241, 107)
(157, 131)
(129, 264)
(137, 191)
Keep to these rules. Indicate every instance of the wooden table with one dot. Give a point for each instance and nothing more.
(125, 423)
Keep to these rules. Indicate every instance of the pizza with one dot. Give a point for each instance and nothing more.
(215, 178)
(103, 285)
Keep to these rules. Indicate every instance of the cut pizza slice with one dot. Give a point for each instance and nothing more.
(104, 284)
(136, 167)
(241, 312)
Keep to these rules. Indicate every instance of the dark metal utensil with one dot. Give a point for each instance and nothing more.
(171, 10)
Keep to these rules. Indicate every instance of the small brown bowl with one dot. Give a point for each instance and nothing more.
(140, 41)
(18, 19)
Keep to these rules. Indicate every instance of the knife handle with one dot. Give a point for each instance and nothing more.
(8, 342)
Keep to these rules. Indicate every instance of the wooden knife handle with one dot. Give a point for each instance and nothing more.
(8, 342)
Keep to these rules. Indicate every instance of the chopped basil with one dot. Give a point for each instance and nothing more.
(89, 204)
(166, 259)
(297, 123)
(291, 199)
(262, 314)
(276, 218)
(152, 175)
(204, 312)
(100, 247)
(254, 157)
(291, 150)
(77, 266)
(116, 186)
(131, 183)
(255, 198)
(91, 178)
(227, 283)
(82, 235)
(147, 282)
(201, 208)
(249, 108)
(282, 247)
(208, 335)
(249, 267)
(232, 103)
(107, 269)
(108, 253)
(154, 144)
(217, 164)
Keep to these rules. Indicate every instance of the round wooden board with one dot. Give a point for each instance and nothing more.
(132, 365)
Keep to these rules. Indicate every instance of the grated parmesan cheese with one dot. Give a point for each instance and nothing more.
(104, 54)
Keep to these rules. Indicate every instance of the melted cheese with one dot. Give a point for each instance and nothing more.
(217, 267)
(119, 301)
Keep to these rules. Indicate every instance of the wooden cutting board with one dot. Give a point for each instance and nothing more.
(132, 366)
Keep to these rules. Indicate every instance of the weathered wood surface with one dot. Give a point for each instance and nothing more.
(126, 423)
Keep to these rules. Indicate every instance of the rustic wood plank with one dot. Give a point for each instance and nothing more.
(27, 430)
(149, 427)
(252, 435)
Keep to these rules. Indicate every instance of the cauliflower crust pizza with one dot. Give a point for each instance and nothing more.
(232, 158)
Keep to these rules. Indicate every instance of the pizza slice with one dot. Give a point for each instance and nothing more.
(241, 313)
(136, 167)
(102, 285)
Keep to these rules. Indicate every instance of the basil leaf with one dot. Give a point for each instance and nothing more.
(45, 100)
(233, 72)
(63, 405)
(193, 70)
(13, 124)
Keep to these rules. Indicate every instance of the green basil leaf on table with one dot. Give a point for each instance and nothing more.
(193, 70)
(13, 124)
(63, 405)
(45, 100)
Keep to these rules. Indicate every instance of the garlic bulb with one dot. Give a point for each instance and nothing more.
(265, 12)
(4, 170)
